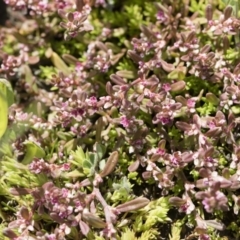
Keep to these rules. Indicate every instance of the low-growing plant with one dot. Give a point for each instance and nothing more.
(119, 120)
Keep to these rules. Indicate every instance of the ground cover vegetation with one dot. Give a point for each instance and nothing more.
(119, 119)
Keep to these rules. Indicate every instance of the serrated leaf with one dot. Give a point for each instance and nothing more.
(175, 232)
(129, 235)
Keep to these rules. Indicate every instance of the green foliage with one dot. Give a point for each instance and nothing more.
(32, 151)
(233, 3)
(175, 231)
(122, 191)
(18, 174)
(89, 162)
(206, 109)
(125, 64)
(76, 126)
(130, 235)
(154, 213)
(198, 6)
(6, 100)
(47, 72)
(134, 14)
(175, 134)
(195, 85)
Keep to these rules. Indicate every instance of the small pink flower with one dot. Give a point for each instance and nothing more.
(160, 151)
(166, 87)
(165, 120)
(161, 16)
(125, 122)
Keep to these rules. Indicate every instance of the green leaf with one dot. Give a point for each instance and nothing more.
(33, 151)
(59, 63)
(212, 99)
(157, 213)
(175, 231)
(235, 109)
(126, 74)
(176, 74)
(128, 234)
(29, 78)
(73, 174)
(101, 150)
(78, 156)
(90, 163)
(6, 99)
(70, 145)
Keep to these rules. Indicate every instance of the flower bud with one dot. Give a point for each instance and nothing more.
(84, 228)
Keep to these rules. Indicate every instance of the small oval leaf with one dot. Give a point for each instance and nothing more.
(133, 205)
(110, 164)
(59, 63)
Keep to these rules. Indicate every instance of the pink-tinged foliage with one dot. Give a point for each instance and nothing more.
(119, 105)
